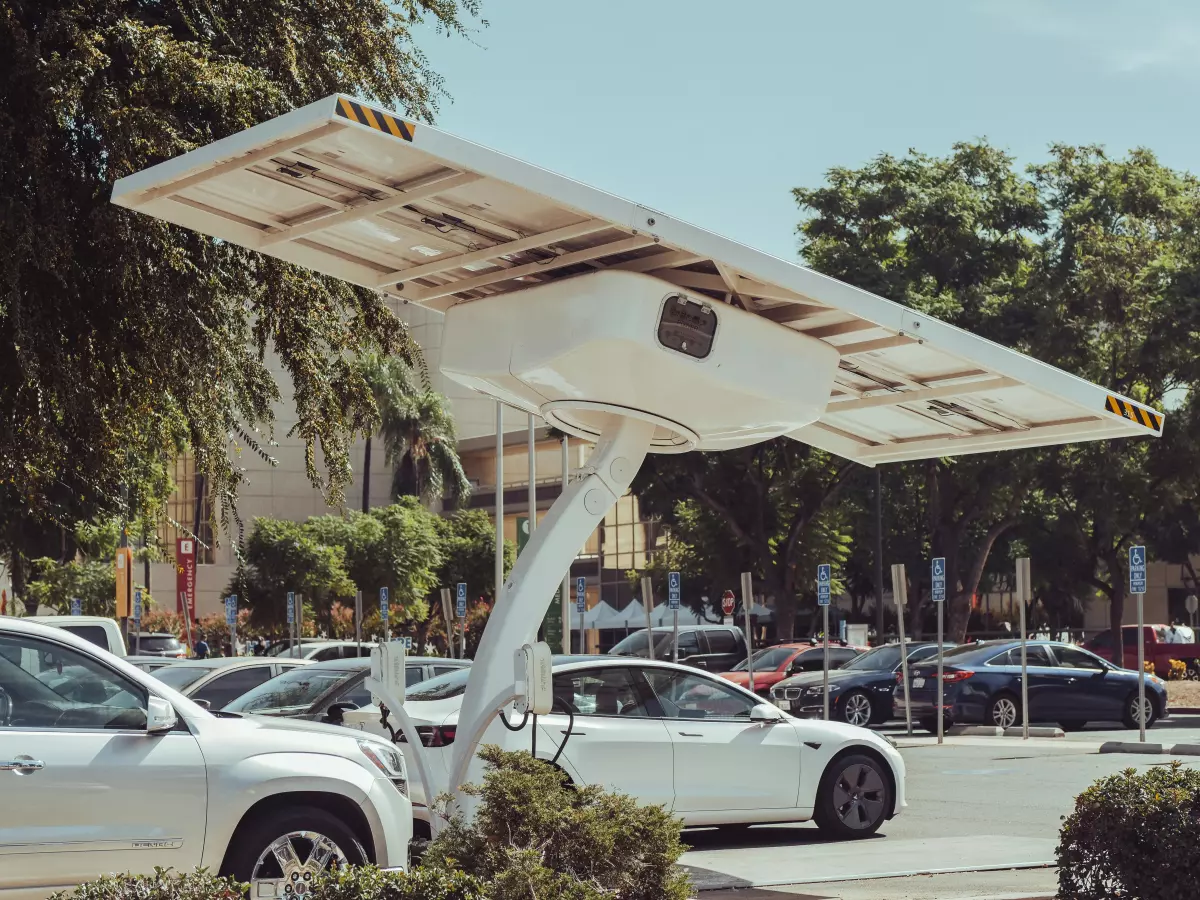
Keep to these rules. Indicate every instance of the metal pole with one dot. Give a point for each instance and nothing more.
(499, 575)
(941, 685)
(825, 667)
(648, 602)
(1141, 645)
(299, 622)
(675, 639)
(564, 596)
(462, 647)
(900, 594)
(358, 622)
(880, 625)
(532, 491)
(187, 619)
(1023, 589)
(747, 601)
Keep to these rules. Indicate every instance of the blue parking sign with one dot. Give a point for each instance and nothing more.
(76, 606)
(824, 576)
(581, 595)
(939, 579)
(383, 605)
(1137, 570)
(461, 600)
(673, 590)
(231, 610)
(137, 604)
(291, 608)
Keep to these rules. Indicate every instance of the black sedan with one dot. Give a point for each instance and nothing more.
(322, 692)
(1067, 685)
(860, 692)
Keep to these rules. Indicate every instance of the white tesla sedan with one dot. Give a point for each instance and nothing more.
(711, 751)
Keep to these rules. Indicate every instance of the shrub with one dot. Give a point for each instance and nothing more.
(1148, 665)
(534, 835)
(1133, 835)
(1178, 670)
(162, 885)
(369, 883)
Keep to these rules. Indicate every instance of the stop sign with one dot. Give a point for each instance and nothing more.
(727, 603)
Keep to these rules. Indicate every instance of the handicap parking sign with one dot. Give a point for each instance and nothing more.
(1137, 570)
(673, 590)
(939, 579)
(824, 574)
(581, 595)
(461, 600)
(291, 608)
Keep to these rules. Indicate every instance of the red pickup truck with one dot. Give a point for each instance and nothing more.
(1158, 650)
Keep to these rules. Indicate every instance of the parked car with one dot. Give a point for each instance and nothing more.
(1067, 685)
(325, 651)
(773, 664)
(1159, 650)
(156, 644)
(150, 663)
(860, 692)
(710, 751)
(102, 758)
(99, 630)
(324, 691)
(214, 683)
(717, 648)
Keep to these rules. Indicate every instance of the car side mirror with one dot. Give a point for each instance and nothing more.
(765, 714)
(336, 713)
(160, 716)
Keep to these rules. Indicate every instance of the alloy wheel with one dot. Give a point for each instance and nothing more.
(858, 796)
(1004, 712)
(858, 709)
(1147, 711)
(288, 867)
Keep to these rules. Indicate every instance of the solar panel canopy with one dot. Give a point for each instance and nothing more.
(362, 194)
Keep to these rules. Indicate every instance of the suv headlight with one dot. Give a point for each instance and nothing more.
(385, 758)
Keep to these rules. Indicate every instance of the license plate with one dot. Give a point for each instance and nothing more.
(783, 704)
(918, 682)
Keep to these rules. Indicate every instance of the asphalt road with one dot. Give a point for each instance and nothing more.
(978, 807)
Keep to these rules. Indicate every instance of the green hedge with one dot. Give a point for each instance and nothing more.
(1133, 836)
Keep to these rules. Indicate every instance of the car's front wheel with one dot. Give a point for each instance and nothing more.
(1131, 719)
(857, 709)
(854, 797)
(280, 854)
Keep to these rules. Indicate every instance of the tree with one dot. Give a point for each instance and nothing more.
(468, 552)
(418, 434)
(125, 338)
(392, 380)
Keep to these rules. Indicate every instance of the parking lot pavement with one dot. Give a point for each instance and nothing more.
(975, 804)
(1024, 884)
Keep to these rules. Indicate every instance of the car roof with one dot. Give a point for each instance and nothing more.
(82, 620)
(364, 662)
(146, 634)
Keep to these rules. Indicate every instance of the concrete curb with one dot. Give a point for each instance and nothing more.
(1186, 750)
(975, 730)
(1183, 710)
(1036, 731)
(1130, 747)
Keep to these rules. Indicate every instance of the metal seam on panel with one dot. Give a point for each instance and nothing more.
(1133, 412)
(375, 118)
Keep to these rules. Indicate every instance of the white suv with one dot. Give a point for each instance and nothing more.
(105, 769)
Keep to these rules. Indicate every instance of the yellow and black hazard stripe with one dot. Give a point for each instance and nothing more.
(1133, 412)
(375, 118)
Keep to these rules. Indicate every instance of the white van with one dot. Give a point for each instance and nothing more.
(103, 632)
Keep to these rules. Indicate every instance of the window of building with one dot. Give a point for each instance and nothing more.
(180, 513)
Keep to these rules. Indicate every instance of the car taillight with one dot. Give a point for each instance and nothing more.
(957, 675)
(441, 736)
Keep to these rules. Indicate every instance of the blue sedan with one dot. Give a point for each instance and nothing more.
(1067, 685)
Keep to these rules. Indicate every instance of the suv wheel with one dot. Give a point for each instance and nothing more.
(280, 854)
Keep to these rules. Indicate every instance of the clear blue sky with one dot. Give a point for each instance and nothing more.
(711, 111)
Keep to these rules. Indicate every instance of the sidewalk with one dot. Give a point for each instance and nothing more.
(1023, 884)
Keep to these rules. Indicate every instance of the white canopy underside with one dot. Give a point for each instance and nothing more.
(354, 192)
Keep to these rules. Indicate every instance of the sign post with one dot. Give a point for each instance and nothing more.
(460, 607)
(824, 573)
(1137, 587)
(581, 607)
(900, 594)
(938, 582)
(231, 621)
(673, 605)
(358, 623)
(137, 621)
(291, 622)
(648, 602)
(747, 602)
(1024, 590)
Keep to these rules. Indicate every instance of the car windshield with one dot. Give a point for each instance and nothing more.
(768, 658)
(442, 687)
(180, 677)
(880, 659)
(157, 643)
(295, 689)
(635, 644)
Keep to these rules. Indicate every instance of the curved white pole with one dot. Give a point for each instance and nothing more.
(522, 603)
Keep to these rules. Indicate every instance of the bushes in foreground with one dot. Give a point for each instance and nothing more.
(1133, 836)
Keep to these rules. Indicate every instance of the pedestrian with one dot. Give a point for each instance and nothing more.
(260, 648)
(200, 650)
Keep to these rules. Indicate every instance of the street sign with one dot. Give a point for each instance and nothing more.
(824, 574)
(460, 605)
(1137, 570)
(77, 606)
(406, 641)
(939, 579)
(137, 604)
(291, 608)
(231, 610)
(383, 604)
(727, 602)
(673, 590)
(581, 596)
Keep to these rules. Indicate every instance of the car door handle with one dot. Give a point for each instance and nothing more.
(21, 765)
(691, 734)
